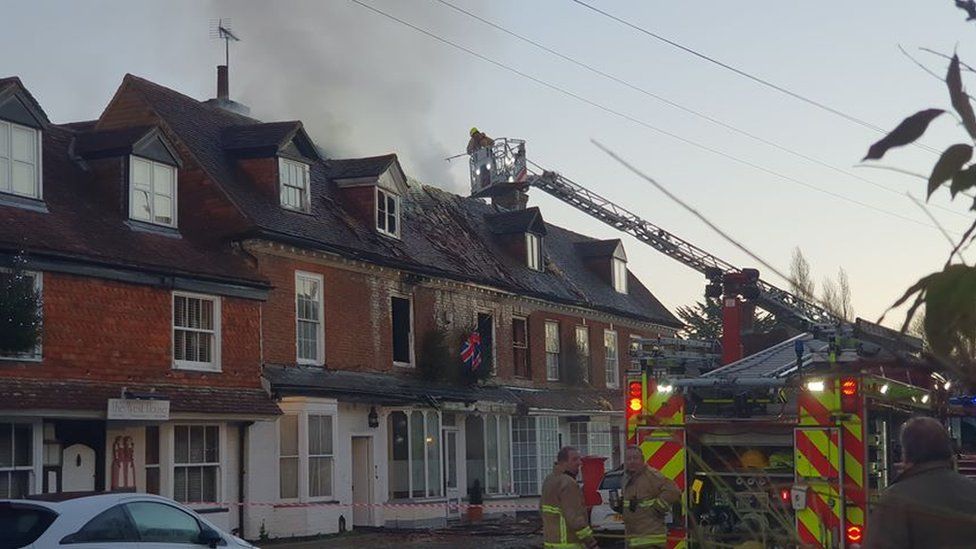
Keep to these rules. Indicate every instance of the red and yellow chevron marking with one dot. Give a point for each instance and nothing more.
(664, 450)
(665, 408)
(817, 459)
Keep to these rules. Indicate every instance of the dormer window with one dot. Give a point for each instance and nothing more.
(20, 172)
(293, 179)
(533, 251)
(387, 213)
(152, 192)
(620, 275)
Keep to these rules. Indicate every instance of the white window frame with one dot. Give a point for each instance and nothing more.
(536, 456)
(304, 191)
(552, 352)
(29, 468)
(297, 456)
(37, 354)
(218, 465)
(500, 458)
(8, 127)
(527, 374)
(214, 365)
(381, 213)
(533, 251)
(305, 457)
(412, 361)
(429, 483)
(619, 269)
(320, 332)
(133, 159)
(584, 358)
(585, 435)
(611, 360)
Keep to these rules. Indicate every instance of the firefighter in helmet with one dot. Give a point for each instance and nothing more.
(646, 499)
(564, 518)
(478, 141)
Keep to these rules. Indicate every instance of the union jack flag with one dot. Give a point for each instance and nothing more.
(471, 351)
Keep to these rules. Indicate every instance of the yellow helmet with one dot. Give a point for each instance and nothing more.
(474, 131)
(753, 459)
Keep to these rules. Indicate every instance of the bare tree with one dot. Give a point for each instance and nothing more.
(836, 295)
(844, 288)
(801, 283)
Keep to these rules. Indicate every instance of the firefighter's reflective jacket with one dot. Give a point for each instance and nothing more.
(647, 498)
(564, 518)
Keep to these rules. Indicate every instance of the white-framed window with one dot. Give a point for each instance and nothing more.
(7, 278)
(415, 455)
(612, 358)
(387, 213)
(591, 438)
(320, 456)
(16, 460)
(401, 319)
(151, 456)
(293, 185)
(552, 350)
(488, 444)
(20, 160)
(288, 456)
(152, 192)
(520, 347)
(309, 319)
(620, 275)
(196, 463)
(535, 443)
(533, 251)
(583, 352)
(196, 332)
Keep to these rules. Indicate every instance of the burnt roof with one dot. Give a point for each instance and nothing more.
(442, 234)
(516, 221)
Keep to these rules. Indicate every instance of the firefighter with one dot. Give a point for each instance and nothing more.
(929, 504)
(479, 141)
(647, 498)
(564, 518)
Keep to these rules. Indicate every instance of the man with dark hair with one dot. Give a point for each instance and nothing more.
(564, 519)
(929, 504)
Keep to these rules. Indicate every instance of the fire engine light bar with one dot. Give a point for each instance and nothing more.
(666, 388)
(815, 386)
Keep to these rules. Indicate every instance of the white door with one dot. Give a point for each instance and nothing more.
(78, 469)
(451, 491)
(362, 481)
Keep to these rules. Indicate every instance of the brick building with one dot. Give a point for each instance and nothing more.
(347, 275)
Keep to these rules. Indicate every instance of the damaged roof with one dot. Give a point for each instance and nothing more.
(442, 234)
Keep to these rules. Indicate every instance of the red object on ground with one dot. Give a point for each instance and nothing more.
(592, 475)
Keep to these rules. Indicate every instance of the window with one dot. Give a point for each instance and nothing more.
(533, 251)
(20, 154)
(310, 336)
(387, 213)
(520, 347)
(415, 456)
(23, 524)
(161, 523)
(196, 463)
(7, 279)
(109, 526)
(486, 330)
(583, 352)
(152, 192)
(293, 184)
(319, 456)
(535, 443)
(591, 438)
(196, 332)
(620, 275)
(152, 459)
(16, 459)
(488, 452)
(288, 457)
(401, 312)
(552, 350)
(635, 349)
(613, 363)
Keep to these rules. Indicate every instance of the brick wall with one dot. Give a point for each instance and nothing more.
(97, 329)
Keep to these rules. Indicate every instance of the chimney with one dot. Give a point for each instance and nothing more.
(223, 82)
(513, 198)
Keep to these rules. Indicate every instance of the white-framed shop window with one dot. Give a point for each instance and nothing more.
(16, 459)
(535, 443)
(414, 440)
(196, 463)
(591, 438)
(306, 453)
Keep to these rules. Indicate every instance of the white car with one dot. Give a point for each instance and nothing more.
(603, 519)
(137, 521)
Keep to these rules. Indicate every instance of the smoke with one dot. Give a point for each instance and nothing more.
(361, 84)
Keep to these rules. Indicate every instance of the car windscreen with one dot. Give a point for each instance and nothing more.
(21, 524)
(610, 482)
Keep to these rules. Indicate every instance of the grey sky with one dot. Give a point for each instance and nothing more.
(365, 85)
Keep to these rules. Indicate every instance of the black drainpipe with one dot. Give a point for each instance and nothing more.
(241, 435)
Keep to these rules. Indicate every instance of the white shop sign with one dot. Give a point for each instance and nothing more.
(136, 409)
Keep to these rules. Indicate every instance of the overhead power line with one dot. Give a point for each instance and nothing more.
(757, 79)
(681, 107)
(635, 120)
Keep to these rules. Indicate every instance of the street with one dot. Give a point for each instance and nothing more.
(509, 534)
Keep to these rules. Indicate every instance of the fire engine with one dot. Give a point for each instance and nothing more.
(787, 447)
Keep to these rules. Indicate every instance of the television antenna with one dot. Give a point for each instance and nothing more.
(221, 29)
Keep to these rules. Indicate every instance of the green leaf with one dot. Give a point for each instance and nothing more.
(907, 132)
(950, 309)
(951, 161)
(960, 101)
(963, 180)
